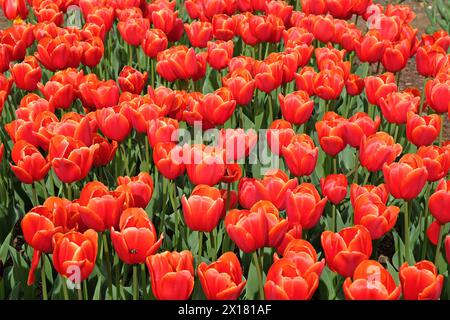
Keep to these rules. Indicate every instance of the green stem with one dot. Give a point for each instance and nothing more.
(333, 217)
(406, 231)
(259, 274)
(423, 220)
(43, 280)
(366, 179)
(80, 292)
(439, 245)
(213, 248)
(355, 175)
(144, 280)
(64, 287)
(335, 164)
(108, 263)
(135, 283)
(34, 194)
(125, 158)
(269, 97)
(85, 290)
(200, 244)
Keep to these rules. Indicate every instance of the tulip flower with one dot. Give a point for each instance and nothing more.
(268, 75)
(304, 205)
(71, 159)
(422, 131)
(137, 238)
(371, 282)
(30, 165)
(371, 47)
(328, 84)
(405, 179)
(396, 55)
(168, 158)
(334, 187)
(249, 230)
(277, 184)
(224, 27)
(236, 143)
(354, 85)
(437, 92)
(217, 107)
(378, 87)
(429, 60)
(199, 33)
(396, 105)
(60, 52)
(377, 150)
(380, 191)
(250, 191)
(300, 155)
(370, 211)
(279, 135)
(439, 202)
(105, 152)
(222, 279)
(359, 125)
(285, 282)
(133, 30)
(26, 74)
(436, 160)
(296, 107)
(304, 80)
(420, 281)
(179, 62)
(131, 80)
(172, 275)
(220, 53)
(139, 189)
(241, 84)
(204, 165)
(75, 254)
(294, 232)
(97, 94)
(434, 232)
(331, 135)
(58, 95)
(345, 250)
(154, 41)
(114, 123)
(203, 209)
(277, 226)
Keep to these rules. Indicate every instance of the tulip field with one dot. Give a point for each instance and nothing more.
(224, 150)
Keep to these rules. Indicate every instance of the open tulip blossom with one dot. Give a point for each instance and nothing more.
(223, 150)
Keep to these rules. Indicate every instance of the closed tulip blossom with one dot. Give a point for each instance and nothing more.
(204, 165)
(420, 281)
(154, 41)
(279, 135)
(75, 250)
(439, 202)
(422, 130)
(162, 130)
(250, 191)
(331, 135)
(304, 205)
(277, 226)
(26, 74)
(237, 143)
(203, 209)
(30, 165)
(372, 213)
(380, 191)
(222, 279)
(378, 87)
(199, 33)
(359, 125)
(168, 159)
(300, 155)
(396, 105)
(437, 92)
(131, 80)
(436, 160)
(377, 150)
(241, 84)
(345, 250)
(405, 179)
(277, 184)
(137, 237)
(296, 107)
(219, 53)
(114, 123)
(171, 274)
(58, 95)
(334, 187)
(371, 281)
(138, 189)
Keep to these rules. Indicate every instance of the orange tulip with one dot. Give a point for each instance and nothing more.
(422, 131)
(26, 74)
(139, 189)
(439, 202)
(436, 160)
(204, 165)
(30, 164)
(420, 281)
(377, 150)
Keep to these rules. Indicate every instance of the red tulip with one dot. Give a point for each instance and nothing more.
(75, 254)
(304, 206)
(13, 9)
(168, 158)
(114, 123)
(405, 179)
(105, 152)
(430, 59)
(304, 80)
(303, 254)
(437, 92)
(154, 41)
(345, 250)
(300, 155)
(172, 275)
(179, 62)
(199, 33)
(296, 107)
(422, 130)
(436, 160)
(217, 107)
(396, 105)
(380, 191)
(131, 80)
(268, 75)
(377, 150)
(133, 30)
(249, 230)
(328, 84)
(204, 165)
(334, 187)
(71, 159)
(224, 27)
(276, 225)
(434, 232)
(372, 213)
(378, 87)
(354, 85)
(420, 281)
(331, 135)
(97, 94)
(439, 202)
(277, 184)
(26, 74)
(60, 52)
(279, 135)
(139, 189)
(241, 85)
(250, 191)
(220, 53)
(286, 282)
(396, 55)
(30, 165)
(58, 95)
(222, 279)
(371, 282)
(203, 209)
(236, 143)
(370, 47)
(359, 125)
(137, 238)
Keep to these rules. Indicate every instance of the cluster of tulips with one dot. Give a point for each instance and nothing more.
(92, 115)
